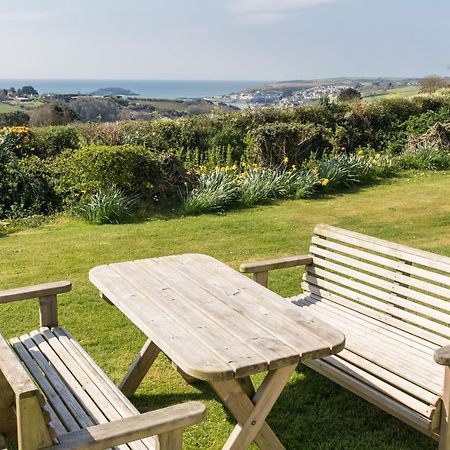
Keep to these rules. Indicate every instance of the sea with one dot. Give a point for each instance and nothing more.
(160, 89)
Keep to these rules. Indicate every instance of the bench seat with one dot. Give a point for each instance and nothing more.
(391, 361)
(78, 393)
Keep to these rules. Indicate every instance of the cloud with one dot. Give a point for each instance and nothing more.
(266, 11)
(26, 16)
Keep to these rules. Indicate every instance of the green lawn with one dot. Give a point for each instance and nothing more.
(312, 413)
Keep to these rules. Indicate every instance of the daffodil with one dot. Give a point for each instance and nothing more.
(324, 181)
(286, 160)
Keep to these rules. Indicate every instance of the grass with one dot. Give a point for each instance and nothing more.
(403, 92)
(6, 108)
(312, 413)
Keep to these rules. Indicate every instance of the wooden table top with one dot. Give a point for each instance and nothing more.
(210, 320)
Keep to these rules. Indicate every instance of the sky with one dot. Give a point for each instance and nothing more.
(223, 39)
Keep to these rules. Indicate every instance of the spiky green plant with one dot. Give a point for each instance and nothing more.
(214, 191)
(110, 205)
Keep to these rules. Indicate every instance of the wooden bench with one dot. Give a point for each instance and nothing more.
(392, 303)
(53, 395)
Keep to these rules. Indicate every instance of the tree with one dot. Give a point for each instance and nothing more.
(93, 109)
(52, 114)
(432, 83)
(349, 95)
(14, 118)
(27, 90)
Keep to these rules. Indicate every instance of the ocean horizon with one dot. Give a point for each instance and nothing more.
(160, 89)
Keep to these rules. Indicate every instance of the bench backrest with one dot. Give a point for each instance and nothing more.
(403, 286)
(21, 413)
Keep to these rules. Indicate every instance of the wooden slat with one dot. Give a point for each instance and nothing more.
(396, 277)
(374, 314)
(368, 324)
(219, 340)
(191, 354)
(39, 348)
(278, 263)
(392, 249)
(156, 422)
(12, 369)
(322, 284)
(380, 372)
(271, 349)
(380, 385)
(40, 290)
(397, 300)
(374, 396)
(378, 324)
(402, 363)
(86, 364)
(427, 275)
(308, 336)
(42, 377)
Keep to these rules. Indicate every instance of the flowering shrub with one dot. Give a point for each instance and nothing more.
(17, 140)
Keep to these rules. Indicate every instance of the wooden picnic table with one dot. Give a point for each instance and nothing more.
(217, 325)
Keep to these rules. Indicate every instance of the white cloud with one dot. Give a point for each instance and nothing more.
(265, 11)
(26, 16)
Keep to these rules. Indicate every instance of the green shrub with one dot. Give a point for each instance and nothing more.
(214, 191)
(109, 205)
(23, 188)
(131, 169)
(273, 142)
(51, 141)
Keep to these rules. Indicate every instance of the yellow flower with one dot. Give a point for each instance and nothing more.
(286, 160)
(294, 167)
(324, 181)
(361, 152)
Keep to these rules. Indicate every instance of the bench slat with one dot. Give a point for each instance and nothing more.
(376, 315)
(404, 363)
(389, 297)
(391, 275)
(93, 371)
(86, 397)
(391, 249)
(108, 409)
(374, 396)
(42, 377)
(333, 288)
(399, 265)
(380, 385)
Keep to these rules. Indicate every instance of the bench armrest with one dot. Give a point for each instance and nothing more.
(38, 291)
(273, 264)
(260, 270)
(442, 355)
(160, 422)
(46, 293)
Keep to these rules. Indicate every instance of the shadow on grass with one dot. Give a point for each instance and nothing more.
(315, 413)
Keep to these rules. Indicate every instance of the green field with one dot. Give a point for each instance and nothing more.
(312, 413)
(6, 107)
(403, 92)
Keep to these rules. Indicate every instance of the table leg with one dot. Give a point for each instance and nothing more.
(139, 368)
(188, 378)
(251, 413)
